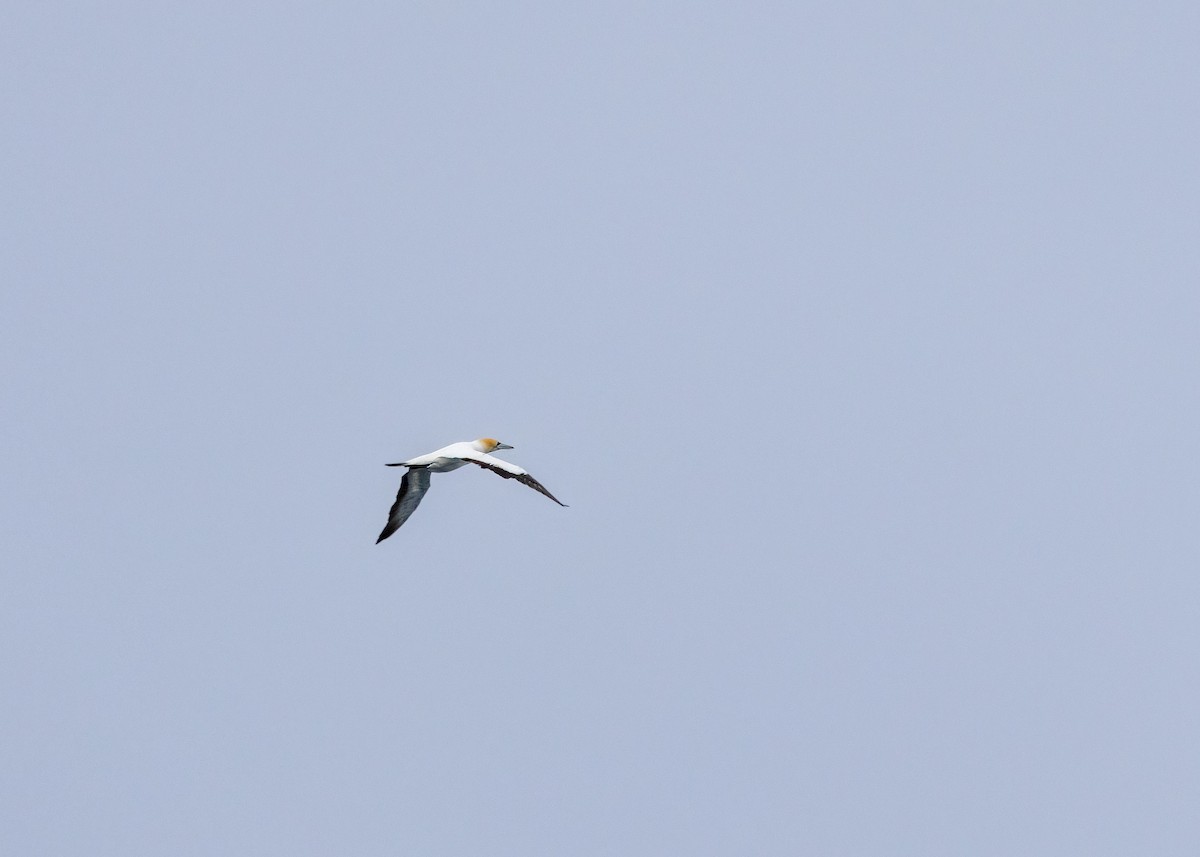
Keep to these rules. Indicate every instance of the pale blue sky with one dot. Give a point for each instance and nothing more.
(860, 338)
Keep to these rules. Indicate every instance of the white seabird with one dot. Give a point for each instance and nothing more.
(415, 482)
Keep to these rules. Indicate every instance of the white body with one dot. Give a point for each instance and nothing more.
(457, 455)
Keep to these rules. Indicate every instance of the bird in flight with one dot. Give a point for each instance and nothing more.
(415, 481)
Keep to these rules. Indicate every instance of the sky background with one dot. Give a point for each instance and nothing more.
(861, 338)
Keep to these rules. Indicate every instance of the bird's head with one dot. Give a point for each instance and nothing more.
(490, 444)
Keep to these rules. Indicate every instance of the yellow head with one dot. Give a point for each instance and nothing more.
(490, 444)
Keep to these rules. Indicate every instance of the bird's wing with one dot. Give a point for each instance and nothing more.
(510, 471)
(413, 486)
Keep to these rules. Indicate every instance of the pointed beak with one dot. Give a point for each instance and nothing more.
(503, 446)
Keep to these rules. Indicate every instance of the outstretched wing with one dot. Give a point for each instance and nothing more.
(515, 473)
(413, 486)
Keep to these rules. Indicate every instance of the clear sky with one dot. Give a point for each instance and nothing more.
(861, 338)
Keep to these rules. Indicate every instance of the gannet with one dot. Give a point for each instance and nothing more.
(415, 481)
